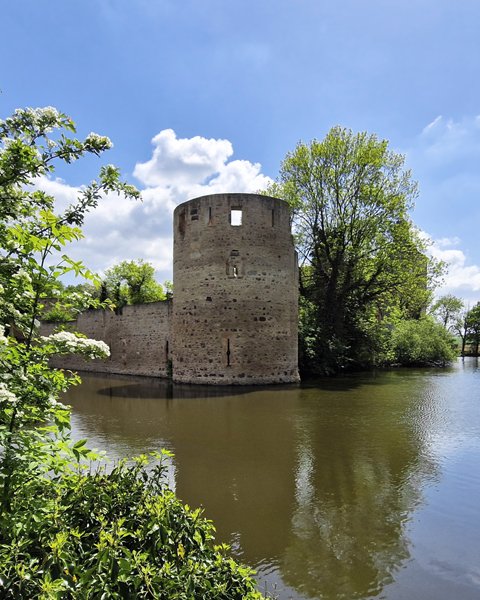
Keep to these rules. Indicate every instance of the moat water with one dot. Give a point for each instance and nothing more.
(367, 486)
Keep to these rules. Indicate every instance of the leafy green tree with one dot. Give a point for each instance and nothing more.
(31, 233)
(67, 531)
(473, 327)
(363, 259)
(461, 328)
(168, 286)
(422, 342)
(132, 282)
(447, 310)
(467, 327)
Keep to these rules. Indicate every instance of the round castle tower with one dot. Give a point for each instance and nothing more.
(235, 276)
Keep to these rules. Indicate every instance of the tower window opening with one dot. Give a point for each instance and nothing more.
(236, 217)
(181, 223)
(235, 271)
(194, 214)
(209, 214)
(273, 217)
(228, 352)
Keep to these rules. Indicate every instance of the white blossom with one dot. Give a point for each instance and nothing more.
(55, 403)
(22, 276)
(39, 113)
(65, 341)
(47, 112)
(94, 139)
(6, 395)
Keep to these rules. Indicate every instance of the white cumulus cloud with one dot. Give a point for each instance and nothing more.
(463, 277)
(179, 169)
(182, 160)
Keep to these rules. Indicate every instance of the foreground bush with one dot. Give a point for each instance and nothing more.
(69, 532)
(121, 534)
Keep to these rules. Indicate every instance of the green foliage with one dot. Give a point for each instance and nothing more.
(132, 282)
(67, 302)
(117, 534)
(466, 325)
(422, 342)
(473, 327)
(447, 309)
(168, 286)
(58, 314)
(363, 261)
(31, 233)
(65, 531)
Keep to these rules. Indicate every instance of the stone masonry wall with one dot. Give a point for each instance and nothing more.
(234, 316)
(235, 305)
(139, 339)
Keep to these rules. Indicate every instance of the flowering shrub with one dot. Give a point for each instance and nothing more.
(66, 342)
(65, 531)
(6, 395)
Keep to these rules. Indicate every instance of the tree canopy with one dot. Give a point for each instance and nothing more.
(132, 282)
(422, 342)
(32, 233)
(473, 327)
(447, 309)
(362, 259)
(452, 313)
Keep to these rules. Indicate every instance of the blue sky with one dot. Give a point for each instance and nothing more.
(226, 87)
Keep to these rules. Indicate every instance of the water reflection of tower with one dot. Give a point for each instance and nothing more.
(236, 458)
(231, 455)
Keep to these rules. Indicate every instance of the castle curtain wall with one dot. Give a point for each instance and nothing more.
(234, 314)
(139, 337)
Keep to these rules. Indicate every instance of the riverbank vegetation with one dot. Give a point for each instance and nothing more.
(68, 530)
(366, 278)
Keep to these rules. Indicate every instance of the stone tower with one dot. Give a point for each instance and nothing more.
(235, 277)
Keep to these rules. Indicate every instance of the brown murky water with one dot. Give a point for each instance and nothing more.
(366, 486)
